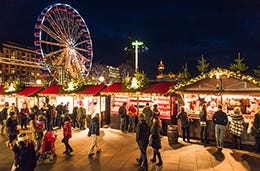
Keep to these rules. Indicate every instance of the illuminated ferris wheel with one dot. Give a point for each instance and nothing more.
(63, 42)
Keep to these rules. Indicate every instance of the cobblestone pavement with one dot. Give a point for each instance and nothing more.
(119, 152)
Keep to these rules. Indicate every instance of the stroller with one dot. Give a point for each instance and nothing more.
(48, 148)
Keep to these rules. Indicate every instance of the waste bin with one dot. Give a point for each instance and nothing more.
(172, 133)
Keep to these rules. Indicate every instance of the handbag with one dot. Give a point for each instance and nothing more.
(203, 123)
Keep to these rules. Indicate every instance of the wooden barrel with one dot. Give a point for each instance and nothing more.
(172, 133)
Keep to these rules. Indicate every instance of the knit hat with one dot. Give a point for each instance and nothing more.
(22, 137)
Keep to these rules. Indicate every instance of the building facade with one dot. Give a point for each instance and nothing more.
(18, 62)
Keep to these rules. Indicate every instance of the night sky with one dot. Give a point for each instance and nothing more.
(176, 32)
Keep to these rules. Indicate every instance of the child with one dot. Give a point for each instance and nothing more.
(67, 134)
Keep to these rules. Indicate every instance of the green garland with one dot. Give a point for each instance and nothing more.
(136, 83)
(17, 84)
(77, 85)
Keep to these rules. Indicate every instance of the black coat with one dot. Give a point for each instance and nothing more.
(94, 127)
(142, 133)
(156, 138)
(25, 157)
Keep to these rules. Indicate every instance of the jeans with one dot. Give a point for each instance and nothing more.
(220, 134)
(94, 139)
(204, 133)
(67, 145)
(123, 124)
(143, 156)
(131, 124)
(186, 130)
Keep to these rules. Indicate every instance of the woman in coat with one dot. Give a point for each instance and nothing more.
(156, 140)
(185, 124)
(203, 125)
(236, 127)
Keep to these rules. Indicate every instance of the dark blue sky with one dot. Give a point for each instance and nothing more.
(177, 32)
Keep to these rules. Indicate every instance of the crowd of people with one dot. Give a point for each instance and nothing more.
(220, 120)
(146, 125)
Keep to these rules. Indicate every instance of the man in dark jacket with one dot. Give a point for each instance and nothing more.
(142, 136)
(220, 120)
(3, 116)
(94, 132)
(123, 117)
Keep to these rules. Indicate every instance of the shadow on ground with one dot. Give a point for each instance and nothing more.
(247, 160)
(219, 156)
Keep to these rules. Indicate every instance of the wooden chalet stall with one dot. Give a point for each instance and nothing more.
(28, 94)
(88, 95)
(219, 86)
(154, 94)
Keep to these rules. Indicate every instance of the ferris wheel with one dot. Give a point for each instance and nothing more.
(63, 42)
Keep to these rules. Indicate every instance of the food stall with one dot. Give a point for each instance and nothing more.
(154, 94)
(87, 96)
(219, 86)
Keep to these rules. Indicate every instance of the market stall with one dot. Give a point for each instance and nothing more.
(27, 94)
(87, 96)
(219, 86)
(154, 94)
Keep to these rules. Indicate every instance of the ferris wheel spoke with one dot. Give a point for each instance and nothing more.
(52, 43)
(80, 43)
(56, 27)
(61, 59)
(51, 33)
(82, 58)
(80, 49)
(78, 35)
(53, 53)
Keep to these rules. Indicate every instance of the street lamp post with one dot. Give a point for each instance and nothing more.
(136, 43)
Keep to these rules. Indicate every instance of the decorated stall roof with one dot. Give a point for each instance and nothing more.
(154, 88)
(91, 89)
(29, 91)
(88, 90)
(54, 89)
(219, 80)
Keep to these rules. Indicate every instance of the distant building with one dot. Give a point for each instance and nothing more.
(17, 61)
(160, 70)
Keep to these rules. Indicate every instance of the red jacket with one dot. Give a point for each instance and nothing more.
(67, 133)
(132, 111)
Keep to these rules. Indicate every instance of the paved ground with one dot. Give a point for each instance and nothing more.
(119, 152)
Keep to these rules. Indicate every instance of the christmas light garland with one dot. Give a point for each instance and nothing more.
(211, 74)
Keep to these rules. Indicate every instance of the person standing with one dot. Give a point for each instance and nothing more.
(11, 129)
(67, 134)
(25, 155)
(60, 112)
(94, 132)
(185, 124)
(123, 117)
(132, 113)
(203, 125)
(37, 128)
(156, 112)
(3, 116)
(148, 114)
(156, 140)
(81, 114)
(24, 113)
(236, 127)
(142, 136)
(220, 120)
(256, 129)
